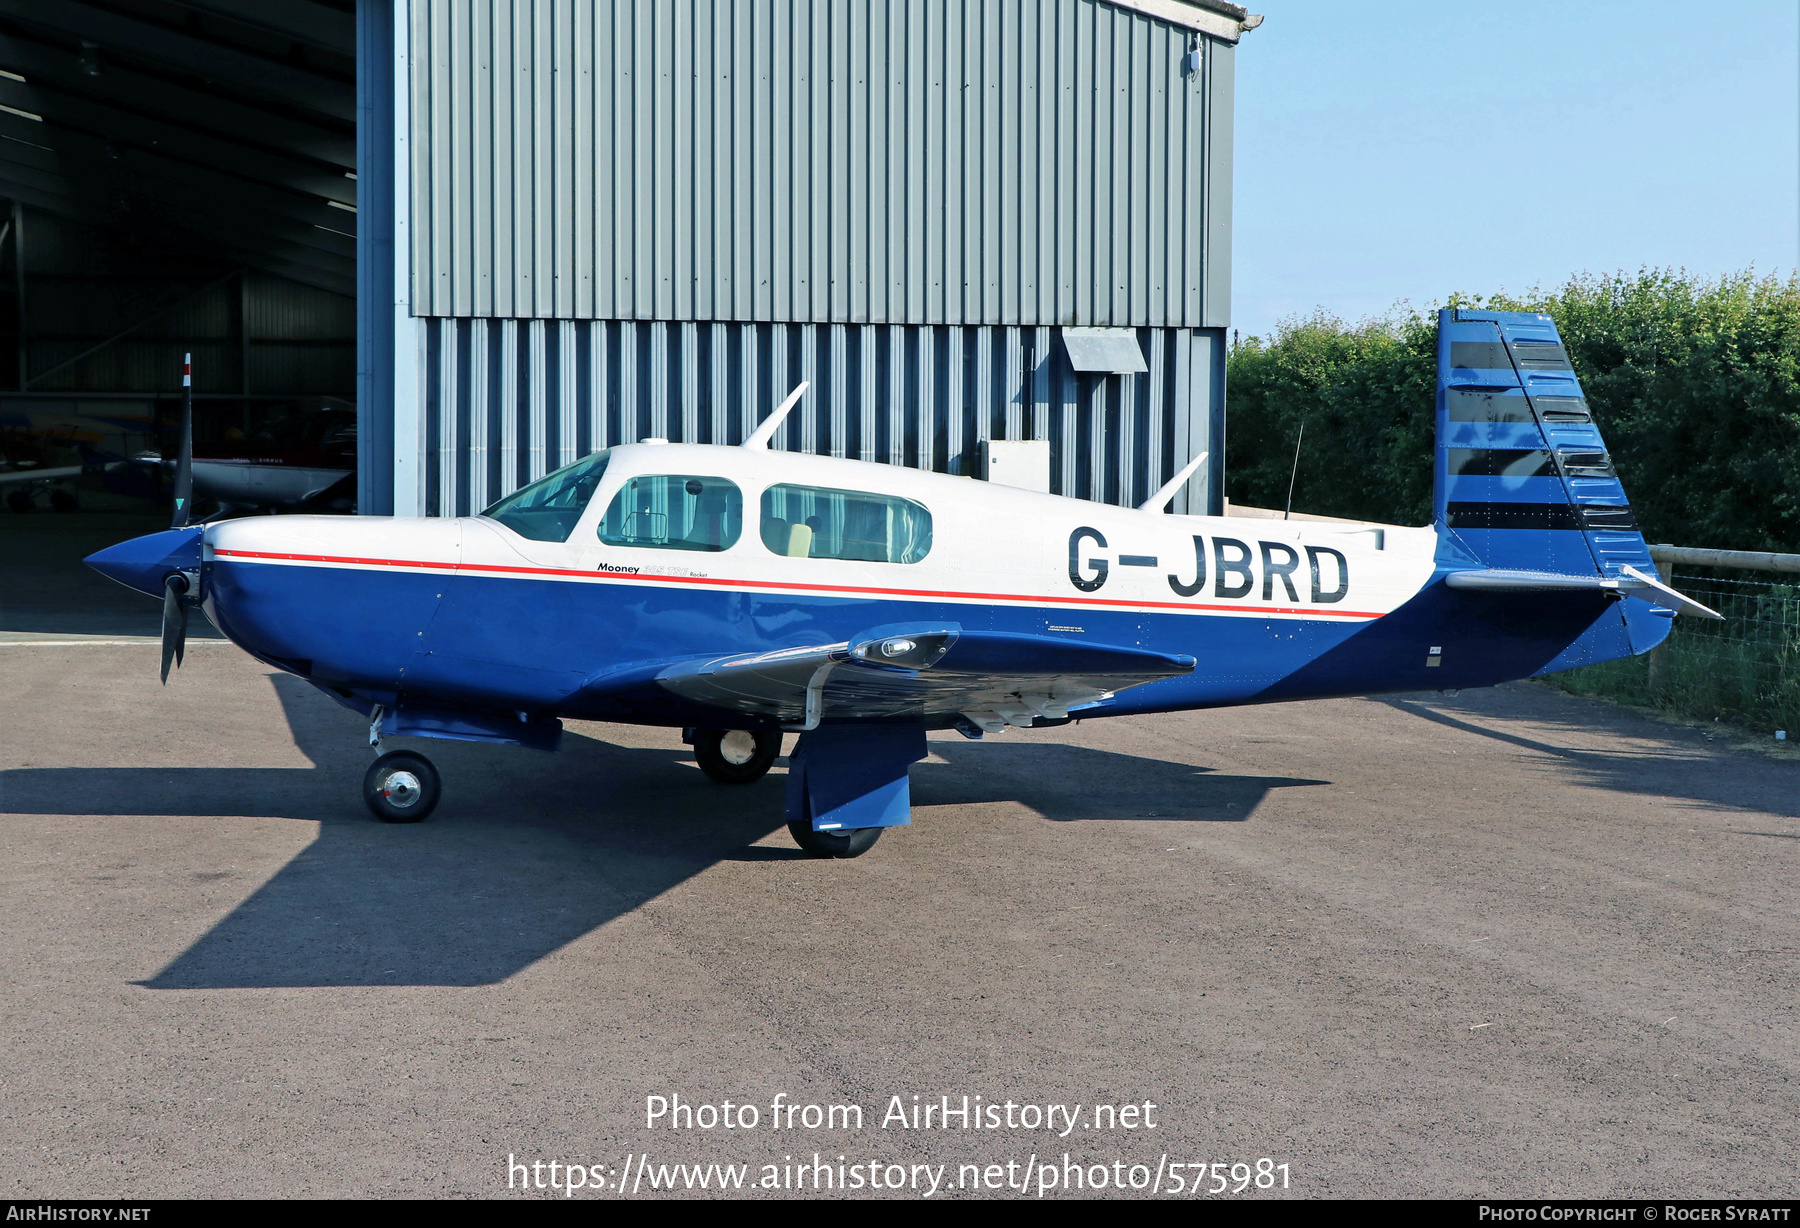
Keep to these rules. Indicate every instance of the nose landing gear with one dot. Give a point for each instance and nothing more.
(401, 787)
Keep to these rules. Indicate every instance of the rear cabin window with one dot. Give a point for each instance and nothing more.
(548, 509)
(814, 522)
(679, 511)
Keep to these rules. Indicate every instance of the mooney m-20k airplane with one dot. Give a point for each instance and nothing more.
(739, 592)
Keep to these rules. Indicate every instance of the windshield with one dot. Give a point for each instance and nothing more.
(548, 509)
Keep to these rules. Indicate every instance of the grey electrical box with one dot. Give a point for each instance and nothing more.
(1024, 463)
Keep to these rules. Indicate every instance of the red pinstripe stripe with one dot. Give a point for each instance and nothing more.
(777, 584)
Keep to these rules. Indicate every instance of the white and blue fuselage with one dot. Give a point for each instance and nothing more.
(467, 609)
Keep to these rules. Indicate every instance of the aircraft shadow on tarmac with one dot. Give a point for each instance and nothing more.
(1074, 783)
(1658, 766)
(529, 852)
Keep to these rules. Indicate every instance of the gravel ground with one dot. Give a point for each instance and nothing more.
(1509, 943)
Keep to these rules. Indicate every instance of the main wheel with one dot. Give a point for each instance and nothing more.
(852, 843)
(401, 787)
(736, 756)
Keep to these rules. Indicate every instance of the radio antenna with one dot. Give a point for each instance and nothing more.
(1295, 472)
(1158, 501)
(761, 436)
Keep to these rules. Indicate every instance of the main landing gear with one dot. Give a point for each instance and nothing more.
(735, 756)
(844, 784)
(401, 787)
(852, 843)
(742, 756)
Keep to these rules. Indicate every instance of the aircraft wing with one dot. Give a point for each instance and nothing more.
(40, 475)
(910, 672)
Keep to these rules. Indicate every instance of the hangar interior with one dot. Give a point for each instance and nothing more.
(178, 177)
(586, 223)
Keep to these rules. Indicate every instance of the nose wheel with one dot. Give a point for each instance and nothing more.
(735, 756)
(401, 787)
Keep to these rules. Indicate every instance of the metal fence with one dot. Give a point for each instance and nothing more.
(1744, 670)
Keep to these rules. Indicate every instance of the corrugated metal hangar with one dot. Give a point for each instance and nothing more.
(573, 223)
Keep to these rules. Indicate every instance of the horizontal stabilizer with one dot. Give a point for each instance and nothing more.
(1656, 592)
(1499, 580)
(1633, 581)
(907, 672)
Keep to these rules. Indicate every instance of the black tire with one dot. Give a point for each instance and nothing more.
(401, 800)
(63, 501)
(842, 844)
(19, 500)
(723, 756)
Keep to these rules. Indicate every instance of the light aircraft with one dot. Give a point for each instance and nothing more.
(31, 465)
(302, 459)
(741, 592)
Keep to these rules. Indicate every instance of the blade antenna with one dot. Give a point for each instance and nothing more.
(1158, 501)
(184, 464)
(1295, 472)
(760, 438)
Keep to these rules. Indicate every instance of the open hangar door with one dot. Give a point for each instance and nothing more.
(175, 176)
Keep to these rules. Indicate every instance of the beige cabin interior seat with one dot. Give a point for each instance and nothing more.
(799, 542)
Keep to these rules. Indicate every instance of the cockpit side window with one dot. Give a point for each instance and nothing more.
(549, 508)
(675, 512)
(819, 523)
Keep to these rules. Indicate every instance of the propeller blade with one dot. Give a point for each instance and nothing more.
(184, 464)
(174, 624)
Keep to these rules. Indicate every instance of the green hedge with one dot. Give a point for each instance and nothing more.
(1694, 383)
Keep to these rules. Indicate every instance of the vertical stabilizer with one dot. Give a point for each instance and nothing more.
(1523, 478)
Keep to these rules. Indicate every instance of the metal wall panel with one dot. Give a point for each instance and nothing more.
(509, 400)
(1013, 162)
(97, 334)
(380, 197)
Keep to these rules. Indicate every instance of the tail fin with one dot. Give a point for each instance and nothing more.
(1523, 478)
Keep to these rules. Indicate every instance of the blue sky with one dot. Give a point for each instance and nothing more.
(1406, 150)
